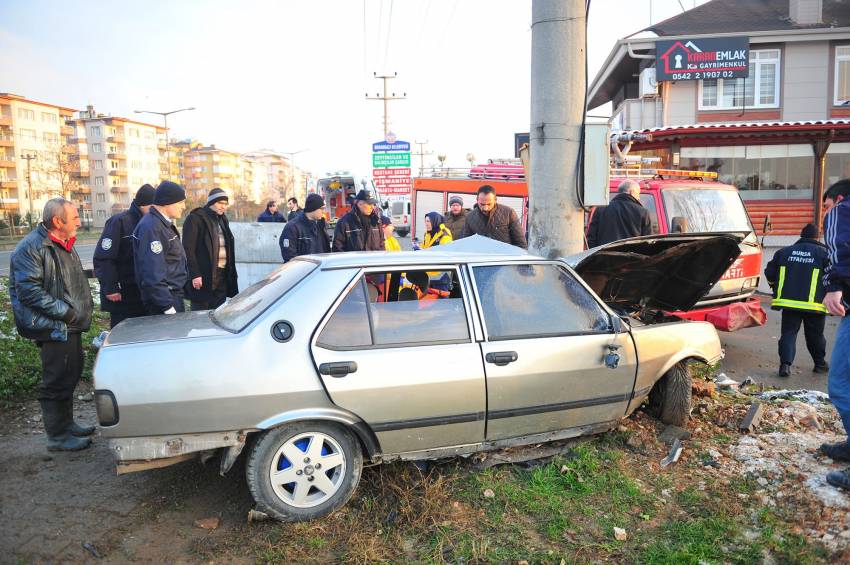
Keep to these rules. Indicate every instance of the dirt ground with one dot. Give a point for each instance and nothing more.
(73, 507)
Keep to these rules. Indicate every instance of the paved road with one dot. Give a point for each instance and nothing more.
(86, 251)
(753, 353)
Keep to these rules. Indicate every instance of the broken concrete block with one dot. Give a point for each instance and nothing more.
(753, 417)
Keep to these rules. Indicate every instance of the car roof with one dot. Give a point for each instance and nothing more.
(475, 249)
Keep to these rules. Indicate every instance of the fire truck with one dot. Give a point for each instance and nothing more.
(678, 201)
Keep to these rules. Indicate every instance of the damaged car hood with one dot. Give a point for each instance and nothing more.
(661, 272)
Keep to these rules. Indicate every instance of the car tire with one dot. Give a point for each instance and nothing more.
(403, 233)
(670, 398)
(324, 479)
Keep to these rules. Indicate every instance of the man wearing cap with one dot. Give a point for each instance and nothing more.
(360, 229)
(160, 260)
(794, 274)
(305, 234)
(210, 256)
(113, 261)
(455, 218)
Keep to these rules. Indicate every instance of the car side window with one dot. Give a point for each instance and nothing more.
(399, 308)
(349, 325)
(648, 202)
(534, 300)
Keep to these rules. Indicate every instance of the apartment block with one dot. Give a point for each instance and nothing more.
(116, 157)
(34, 156)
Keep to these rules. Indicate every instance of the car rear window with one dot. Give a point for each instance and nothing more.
(235, 314)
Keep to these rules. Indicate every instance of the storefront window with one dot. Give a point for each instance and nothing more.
(759, 171)
(837, 163)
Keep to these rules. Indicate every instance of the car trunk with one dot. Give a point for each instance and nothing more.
(166, 327)
(657, 273)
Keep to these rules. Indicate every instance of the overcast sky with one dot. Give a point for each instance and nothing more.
(289, 75)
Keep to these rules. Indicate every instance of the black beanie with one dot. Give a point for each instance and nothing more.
(215, 195)
(168, 193)
(810, 231)
(144, 196)
(313, 203)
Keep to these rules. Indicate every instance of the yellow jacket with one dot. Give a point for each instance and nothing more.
(442, 237)
(392, 244)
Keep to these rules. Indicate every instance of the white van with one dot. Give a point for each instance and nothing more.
(400, 214)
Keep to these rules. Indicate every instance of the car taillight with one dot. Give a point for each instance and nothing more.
(107, 407)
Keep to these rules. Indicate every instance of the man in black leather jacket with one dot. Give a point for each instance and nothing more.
(52, 304)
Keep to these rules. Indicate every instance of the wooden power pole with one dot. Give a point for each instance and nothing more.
(558, 87)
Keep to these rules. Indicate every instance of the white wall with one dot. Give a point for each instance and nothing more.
(805, 78)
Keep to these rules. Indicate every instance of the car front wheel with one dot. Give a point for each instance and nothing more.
(670, 398)
(304, 470)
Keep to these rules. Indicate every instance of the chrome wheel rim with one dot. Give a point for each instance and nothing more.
(307, 470)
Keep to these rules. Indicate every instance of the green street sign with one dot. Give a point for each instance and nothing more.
(390, 160)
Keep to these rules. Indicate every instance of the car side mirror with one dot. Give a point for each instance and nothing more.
(386, 204)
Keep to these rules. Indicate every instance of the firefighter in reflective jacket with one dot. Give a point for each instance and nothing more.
(794, 273)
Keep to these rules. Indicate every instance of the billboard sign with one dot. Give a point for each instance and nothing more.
(701, 59)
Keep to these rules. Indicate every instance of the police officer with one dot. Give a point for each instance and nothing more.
(113, 261)
(794, 273)
(305, 234)
(360, 229)
(160, 260)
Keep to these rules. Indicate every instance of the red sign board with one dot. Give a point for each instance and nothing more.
(395, 181)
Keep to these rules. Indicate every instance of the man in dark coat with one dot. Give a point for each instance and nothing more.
(113, 261)
(306, 235)
(52, 304)
(624, 217)
(158, 255)
(270, 214)
(455, 217)
(493, 220)
(794, 274)
(360, 229)
(294, 209)
(210, 254)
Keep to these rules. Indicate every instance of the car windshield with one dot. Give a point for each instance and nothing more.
(705, 210)
(241, 310)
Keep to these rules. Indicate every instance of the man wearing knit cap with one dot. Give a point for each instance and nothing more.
(305, 234)
(455, 217)
(113, 261)
(210, 255)
(158, 254)
(794, 274)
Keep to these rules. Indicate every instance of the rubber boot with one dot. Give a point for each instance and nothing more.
(56, 424)
(74, 428)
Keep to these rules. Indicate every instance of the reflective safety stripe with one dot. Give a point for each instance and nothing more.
(799, 305)
(813, 288)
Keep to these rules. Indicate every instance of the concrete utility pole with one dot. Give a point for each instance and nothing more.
(386, 98)
(421, 154)
(558, 85)
(29, 159)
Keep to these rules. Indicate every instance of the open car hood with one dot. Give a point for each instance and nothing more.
(661, 272)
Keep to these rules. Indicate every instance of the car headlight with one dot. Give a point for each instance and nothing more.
(751, 282)
(107, 407)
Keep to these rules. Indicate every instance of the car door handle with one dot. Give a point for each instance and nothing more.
(501, 358)
(338, 369)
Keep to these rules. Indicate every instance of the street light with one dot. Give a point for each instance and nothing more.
(165, 117)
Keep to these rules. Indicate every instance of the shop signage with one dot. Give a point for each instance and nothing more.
(701, 59)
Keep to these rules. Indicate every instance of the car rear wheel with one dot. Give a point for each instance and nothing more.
(304, 470)
(670, 398)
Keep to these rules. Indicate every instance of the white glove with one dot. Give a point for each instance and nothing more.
(170, 311)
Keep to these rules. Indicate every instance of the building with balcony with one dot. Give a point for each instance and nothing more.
(120, 155)
(781, 134)
(36, 129)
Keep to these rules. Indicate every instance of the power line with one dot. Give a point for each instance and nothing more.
(386, 98)
(389, 34)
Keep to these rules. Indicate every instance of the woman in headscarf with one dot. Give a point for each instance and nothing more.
(436, 233)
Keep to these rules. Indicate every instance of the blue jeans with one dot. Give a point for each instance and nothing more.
(839, 372)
